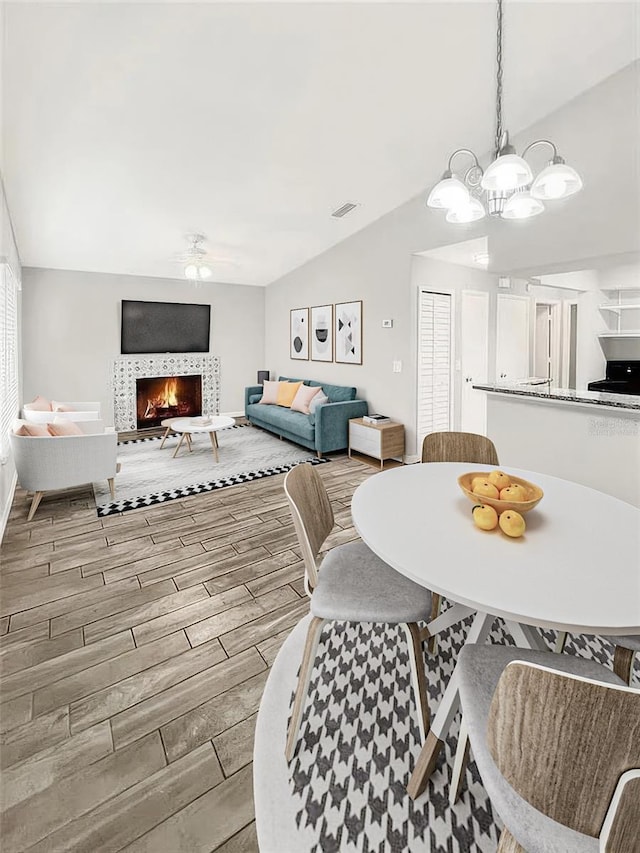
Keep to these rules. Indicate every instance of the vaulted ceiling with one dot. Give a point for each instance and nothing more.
(128, 125)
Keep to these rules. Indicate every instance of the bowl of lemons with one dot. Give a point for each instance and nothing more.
(500, 490)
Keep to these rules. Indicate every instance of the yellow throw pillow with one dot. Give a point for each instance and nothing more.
(286, 392)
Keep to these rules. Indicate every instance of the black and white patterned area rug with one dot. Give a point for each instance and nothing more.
(150, 475)
(344, 790)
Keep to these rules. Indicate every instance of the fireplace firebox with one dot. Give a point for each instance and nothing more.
(163, 397)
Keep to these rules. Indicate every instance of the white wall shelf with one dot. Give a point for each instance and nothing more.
(621, 307)
(627, 300)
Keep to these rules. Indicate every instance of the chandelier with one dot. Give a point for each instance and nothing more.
(195, 267)
(507, 188)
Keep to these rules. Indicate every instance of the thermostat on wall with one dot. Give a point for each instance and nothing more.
(387, 324)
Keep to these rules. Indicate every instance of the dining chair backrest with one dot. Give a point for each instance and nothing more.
(563, 742)
(459, 447)
(311, 512)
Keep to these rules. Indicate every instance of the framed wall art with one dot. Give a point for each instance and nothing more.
(299, 334)
(322, 333)
(348, 332)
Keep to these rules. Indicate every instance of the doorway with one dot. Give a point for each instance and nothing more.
(512, 338)
(546, 342)
(474, 360)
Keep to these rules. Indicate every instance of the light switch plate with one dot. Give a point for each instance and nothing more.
(397, 367)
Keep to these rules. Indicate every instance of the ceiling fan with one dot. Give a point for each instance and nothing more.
(197, 260)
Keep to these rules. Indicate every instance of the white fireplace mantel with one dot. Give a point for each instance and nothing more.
(126, 369)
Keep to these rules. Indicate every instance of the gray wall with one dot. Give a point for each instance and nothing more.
(71, 331)
(376, 264)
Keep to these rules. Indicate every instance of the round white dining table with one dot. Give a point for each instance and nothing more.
(576, 568)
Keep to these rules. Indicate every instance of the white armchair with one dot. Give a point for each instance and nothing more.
(46, 463)
(80, 412)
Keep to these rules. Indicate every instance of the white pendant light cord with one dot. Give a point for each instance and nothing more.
(499, 73)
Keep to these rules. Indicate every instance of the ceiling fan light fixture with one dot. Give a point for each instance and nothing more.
(195, 271)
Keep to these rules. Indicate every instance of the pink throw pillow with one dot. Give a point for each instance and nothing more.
(66, 428)
(40, 404)
(270, 393)
(60, 407)
(34, 430)
(303, 398)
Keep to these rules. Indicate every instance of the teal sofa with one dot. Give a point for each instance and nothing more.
(325, 430)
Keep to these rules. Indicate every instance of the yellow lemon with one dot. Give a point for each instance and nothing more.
(485, 489)
(499, 479)
(514, 492)
(476, 482)
(512, 523)
(485, 517)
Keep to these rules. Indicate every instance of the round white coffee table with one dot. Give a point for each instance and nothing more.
(167, 423)
(189, 426)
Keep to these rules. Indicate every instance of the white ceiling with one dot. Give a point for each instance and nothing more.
(128, 125)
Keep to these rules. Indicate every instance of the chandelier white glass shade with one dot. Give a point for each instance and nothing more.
(469, 211)
(557, 180)
(522, 205)
(507, 188)
(449, 192)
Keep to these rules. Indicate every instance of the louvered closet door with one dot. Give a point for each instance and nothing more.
(434, 364)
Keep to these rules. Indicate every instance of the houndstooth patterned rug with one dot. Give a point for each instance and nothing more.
(359, 741)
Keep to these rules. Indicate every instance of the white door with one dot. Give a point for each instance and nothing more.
(474, 360)
(512, 338)
(434, 364)
(542, 342)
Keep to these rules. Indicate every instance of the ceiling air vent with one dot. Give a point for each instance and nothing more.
(342, 211)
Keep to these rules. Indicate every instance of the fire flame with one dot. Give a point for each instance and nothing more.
(167, 399)
(170, 396)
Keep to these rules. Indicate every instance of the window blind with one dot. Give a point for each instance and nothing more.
(9, 357)
(434, 363)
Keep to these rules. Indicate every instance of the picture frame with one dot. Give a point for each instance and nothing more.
(299, 334)
(348, 332)
(321, 333)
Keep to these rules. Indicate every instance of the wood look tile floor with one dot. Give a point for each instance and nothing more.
(133, 655)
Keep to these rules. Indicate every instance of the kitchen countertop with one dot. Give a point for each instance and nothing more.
(565, 395)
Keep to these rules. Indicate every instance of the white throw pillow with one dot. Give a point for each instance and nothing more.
(269, 393)
(319, 400)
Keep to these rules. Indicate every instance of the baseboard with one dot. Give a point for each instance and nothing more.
(411, 460)
(232, 414)
(6, 509)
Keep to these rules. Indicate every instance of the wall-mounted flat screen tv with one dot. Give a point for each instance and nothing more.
(164, 327)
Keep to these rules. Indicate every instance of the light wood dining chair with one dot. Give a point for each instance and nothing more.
(459, 447)
(351, 584)
(455, 447)
(556, 739)
(626, 648)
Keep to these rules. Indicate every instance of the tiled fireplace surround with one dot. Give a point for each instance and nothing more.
(126, 369)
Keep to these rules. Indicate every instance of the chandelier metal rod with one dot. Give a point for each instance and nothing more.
(463, 151)
(541, 142)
